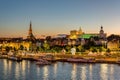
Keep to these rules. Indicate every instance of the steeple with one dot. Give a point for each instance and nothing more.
(101, 33)
(101, 30)
(30, 34)
(30, 29)
(80, 31)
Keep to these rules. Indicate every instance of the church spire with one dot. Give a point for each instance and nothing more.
(101, 30)
(30, 34)
(30, 29)
(80, 31)
(101, 33)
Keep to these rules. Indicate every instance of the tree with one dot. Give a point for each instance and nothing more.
(112, 36)
(108, 50)
(0, 48)
(7, 48)
(46, 46)
(21, 47)
(93, 49)
(15, 49)
(67, 48)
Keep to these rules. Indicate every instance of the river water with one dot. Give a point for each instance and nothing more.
(28, 70)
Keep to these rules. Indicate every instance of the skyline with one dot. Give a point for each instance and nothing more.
(50, 17)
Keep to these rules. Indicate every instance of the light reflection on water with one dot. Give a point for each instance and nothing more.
(104, 71)
(45, 73)
(73, 72)
(83, 73)
(91, 69)
(55, 70)
(28, 70)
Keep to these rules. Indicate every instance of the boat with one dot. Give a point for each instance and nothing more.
(42, 62)
(15, 58)
(81, 60)
(118, 62)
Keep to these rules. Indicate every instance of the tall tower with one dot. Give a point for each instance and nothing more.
(80, 31)
(101, 30)
(30, 29)
(30, 34)
(101, 33)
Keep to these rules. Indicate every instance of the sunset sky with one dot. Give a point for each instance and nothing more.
(50, 17)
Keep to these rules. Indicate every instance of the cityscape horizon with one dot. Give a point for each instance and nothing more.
(53, 35)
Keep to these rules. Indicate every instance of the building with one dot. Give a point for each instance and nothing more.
(99, 38)
(30, 36)
(102, 35)
(16, 43)
(74, 34)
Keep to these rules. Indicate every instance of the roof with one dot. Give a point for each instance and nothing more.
(87, 36)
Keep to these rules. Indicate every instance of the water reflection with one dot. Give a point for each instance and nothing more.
(83, 73)
(104, 71)
(17, 71)
(90, 71)
(73, 72)
(5, 64)
(38, 71)
(23, 68)
(27, 70)
(45, 73)
(111, 70)
(55, 70)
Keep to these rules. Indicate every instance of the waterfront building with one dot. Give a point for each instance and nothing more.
(16, 43)
(30, 42)
(102, 34)
(73, 34)
(99, 38)
(30, 36)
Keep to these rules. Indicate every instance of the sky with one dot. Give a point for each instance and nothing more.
(51, 17)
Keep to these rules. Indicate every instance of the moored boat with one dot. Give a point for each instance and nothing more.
(81, 60)
(118, 62)
(15, 58)
(42, 62)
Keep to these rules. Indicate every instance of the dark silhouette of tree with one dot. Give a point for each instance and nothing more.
(7, 48)
(113, 37)
(21, 47)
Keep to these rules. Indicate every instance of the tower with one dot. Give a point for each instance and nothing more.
(30, 36)
(101, 33)
(101, 30)
(80, 31)
(30, 29)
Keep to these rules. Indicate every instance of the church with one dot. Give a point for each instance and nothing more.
(74, 34)
(28, 44)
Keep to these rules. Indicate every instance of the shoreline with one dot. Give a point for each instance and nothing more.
(65, 57)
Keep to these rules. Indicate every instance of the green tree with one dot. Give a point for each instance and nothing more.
(67, 48)
(46, 46)
(15, 49)
(93, 49)
(7, 48)
(0, 48)
(100, 49)
(108, 50)
(80, 48)
(21, 47)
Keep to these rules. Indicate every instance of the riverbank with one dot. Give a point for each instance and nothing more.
(65, 57)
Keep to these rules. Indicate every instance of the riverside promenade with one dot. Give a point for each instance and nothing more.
(64, 57)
